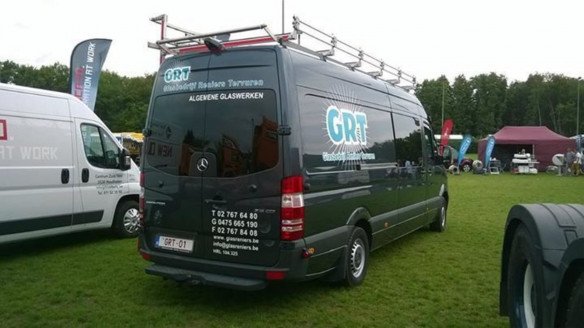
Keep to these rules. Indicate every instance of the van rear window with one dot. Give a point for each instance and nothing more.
(236, 132)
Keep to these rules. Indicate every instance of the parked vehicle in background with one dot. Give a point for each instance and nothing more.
(265, 163)
(542, 269)
(579, 142)
(60, 168)
(451, 158)
(132, 141)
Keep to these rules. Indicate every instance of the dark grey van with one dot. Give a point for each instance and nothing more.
(266, 163)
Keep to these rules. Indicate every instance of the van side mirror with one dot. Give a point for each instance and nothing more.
(125, 160)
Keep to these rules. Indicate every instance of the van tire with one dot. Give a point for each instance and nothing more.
(439, 224)
(574, 313)
(357, 257)
(126, 221)
(525, 299)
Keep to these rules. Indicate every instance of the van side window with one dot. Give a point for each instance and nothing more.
(408, 141)
(343, 135)
(100, 149)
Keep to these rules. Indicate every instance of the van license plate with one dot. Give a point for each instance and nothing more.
(175, 244)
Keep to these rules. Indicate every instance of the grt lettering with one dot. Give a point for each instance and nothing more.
(346, 127)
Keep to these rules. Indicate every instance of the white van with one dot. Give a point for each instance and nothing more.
(61, 170)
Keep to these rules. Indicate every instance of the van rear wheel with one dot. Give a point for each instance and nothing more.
(357, 257)
(126, 221)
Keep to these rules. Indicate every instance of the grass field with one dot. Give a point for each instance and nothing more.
(426, 279)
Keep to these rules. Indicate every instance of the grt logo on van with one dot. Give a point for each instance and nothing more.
(177, 74)
(3, 130)
(346, 127)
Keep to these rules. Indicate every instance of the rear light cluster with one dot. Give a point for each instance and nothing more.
(141, 207)
(292, 211)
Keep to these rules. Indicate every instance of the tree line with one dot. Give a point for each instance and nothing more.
(122, 102)
(479, 105)
(485, 103)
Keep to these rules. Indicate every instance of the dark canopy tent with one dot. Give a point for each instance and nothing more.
(539, 141)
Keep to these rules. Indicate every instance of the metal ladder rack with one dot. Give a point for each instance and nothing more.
(198, 42)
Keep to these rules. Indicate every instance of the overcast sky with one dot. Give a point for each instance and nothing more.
(427, 38)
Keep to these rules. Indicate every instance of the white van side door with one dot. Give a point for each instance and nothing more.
(102, 182)
(36, 165)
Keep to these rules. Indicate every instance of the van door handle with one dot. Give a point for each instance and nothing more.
(216, 201)
(65, 176)
(84, 175)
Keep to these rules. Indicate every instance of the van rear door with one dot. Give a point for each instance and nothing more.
(213, 164)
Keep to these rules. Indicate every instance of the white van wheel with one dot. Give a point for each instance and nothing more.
(127, 221)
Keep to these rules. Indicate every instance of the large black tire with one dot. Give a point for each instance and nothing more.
(126, 221)
(439, 224)
(357, 257)
(575, 308)
(524, 282)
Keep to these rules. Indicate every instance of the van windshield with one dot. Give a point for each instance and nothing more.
(235, 131)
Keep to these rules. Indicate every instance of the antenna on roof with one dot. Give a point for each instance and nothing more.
(283, 6)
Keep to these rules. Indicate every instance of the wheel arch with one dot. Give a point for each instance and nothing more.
(360, 218)
(446, 198)
(122, 200)
(547, 224)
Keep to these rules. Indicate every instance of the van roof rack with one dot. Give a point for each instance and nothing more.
(359, 60)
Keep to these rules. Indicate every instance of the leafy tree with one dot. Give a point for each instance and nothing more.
(517, 104)
(430, 95)
(463, 105)
(122, 102)
(490, 98)
(480, 105)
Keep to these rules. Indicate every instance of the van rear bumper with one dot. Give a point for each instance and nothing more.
(205, 278)
(291, 266)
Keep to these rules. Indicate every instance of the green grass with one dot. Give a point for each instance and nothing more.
(423, 280)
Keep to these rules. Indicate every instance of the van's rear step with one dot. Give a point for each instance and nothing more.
(204, 278)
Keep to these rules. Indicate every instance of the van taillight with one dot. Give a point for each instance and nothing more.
(292, 211)
(141, 207)
(275, 275)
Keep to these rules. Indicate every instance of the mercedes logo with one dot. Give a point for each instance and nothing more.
(202, 164)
